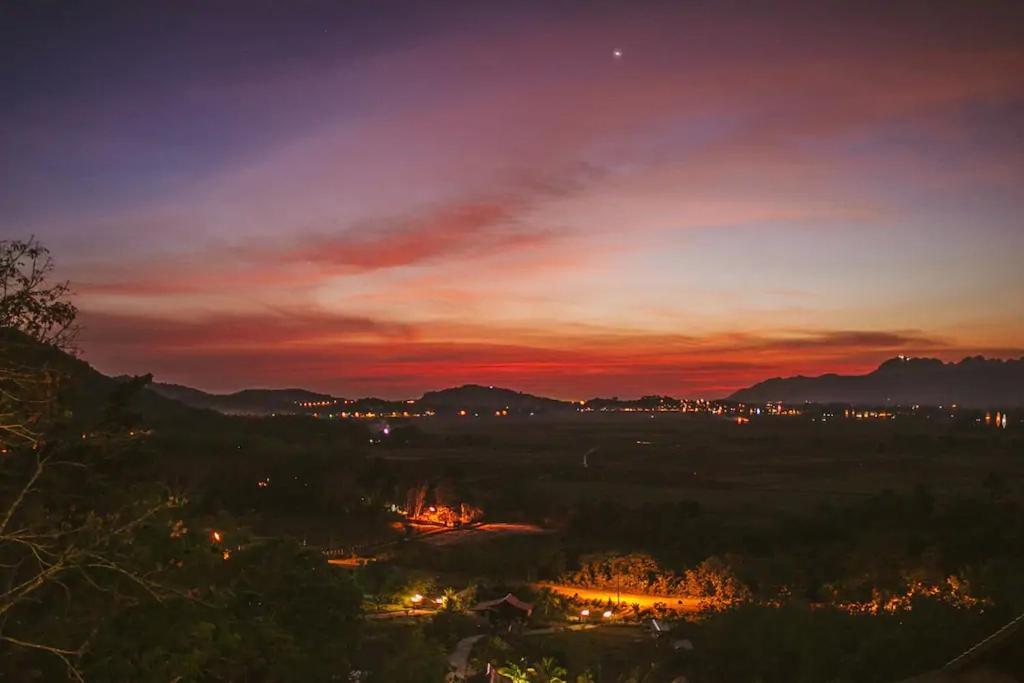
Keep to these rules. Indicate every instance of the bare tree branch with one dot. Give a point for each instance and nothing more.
(62, 653)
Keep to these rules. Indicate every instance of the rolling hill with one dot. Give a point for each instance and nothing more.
(245, 402)
(474, 397)
(85, 389)
(470, 397)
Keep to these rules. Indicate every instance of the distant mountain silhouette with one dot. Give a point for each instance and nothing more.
(974, 382)
(473, 397)
(89, 390)
(245, 402)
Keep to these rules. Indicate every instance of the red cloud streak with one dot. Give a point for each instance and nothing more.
(354, 356)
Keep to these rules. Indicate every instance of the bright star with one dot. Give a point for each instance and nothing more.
(617, 53)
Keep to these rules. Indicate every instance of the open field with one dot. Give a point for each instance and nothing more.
(774, 464)
(771, 517)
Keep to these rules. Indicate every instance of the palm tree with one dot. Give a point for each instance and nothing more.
(516, 673)
(452, 600)
(548, 604)
(550, 671)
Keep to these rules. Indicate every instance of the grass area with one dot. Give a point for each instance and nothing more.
(779, 463)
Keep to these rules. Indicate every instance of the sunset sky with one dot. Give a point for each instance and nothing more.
(566, 198)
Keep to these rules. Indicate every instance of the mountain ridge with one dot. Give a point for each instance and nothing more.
(469, 397)
(243, 402)
(974, 381)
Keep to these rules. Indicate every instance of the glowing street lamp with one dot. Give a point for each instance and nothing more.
(416, 599)
(585, 613)
(607, 614)
(215, 535)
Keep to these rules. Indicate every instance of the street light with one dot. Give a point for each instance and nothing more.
(416, 599)
(607, 614)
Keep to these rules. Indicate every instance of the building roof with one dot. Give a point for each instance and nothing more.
(509, 599)
(980, 663)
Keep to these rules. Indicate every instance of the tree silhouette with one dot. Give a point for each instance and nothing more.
(29, 302)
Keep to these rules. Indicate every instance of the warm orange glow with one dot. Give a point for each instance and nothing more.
(450, 515)
(954, 591)
(217, 538)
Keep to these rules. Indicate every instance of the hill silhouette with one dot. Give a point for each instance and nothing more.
(975, 382)
(474, 397)
(245, 402)
(85, 389)
(470, 397)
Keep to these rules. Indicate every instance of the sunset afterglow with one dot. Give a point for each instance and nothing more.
(640, 198)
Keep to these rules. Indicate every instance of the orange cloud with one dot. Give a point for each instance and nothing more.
(356, 356)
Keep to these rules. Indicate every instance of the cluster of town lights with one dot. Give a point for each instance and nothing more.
(1000, 420)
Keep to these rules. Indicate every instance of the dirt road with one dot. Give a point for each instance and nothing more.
(480, 532)
(681, 604)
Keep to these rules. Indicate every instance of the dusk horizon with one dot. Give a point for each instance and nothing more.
(628, 199)
(556, 393)
(512, 341)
